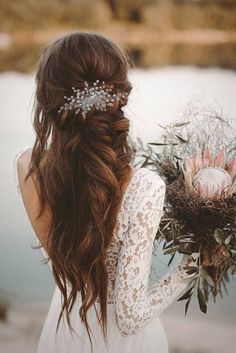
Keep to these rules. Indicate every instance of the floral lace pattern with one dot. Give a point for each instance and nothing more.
(129, 257)
(136, 303)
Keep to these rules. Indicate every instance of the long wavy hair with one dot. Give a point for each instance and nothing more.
(81, 166)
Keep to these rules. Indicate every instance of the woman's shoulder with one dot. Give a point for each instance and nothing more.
(149, 178)
(22, 152)
(20, 163)
(148, 188)
(145, 183)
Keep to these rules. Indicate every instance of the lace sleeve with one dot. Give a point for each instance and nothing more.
(136, 303)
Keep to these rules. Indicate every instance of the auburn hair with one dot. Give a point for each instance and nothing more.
(81, 166)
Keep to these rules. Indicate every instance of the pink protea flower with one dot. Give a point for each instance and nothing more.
(210, 176)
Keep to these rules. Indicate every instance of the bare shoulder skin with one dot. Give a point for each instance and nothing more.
(31, 199)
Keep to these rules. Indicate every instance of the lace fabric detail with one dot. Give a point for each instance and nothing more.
(129, 256)
(136, 303)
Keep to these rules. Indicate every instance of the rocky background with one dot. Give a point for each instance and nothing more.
(164, 32)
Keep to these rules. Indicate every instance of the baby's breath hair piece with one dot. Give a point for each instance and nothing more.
(99, 95)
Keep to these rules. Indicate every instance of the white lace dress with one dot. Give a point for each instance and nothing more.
(134, 307)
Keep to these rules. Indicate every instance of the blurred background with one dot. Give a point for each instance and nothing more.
(185, 58)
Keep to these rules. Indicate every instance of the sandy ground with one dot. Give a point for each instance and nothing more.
(198, 336)
(21, 333)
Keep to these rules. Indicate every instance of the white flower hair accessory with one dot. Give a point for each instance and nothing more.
(99, 95)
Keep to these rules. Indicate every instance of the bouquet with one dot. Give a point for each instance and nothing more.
(196, 156)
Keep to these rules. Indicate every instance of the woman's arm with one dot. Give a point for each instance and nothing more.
(136, 303)
(30, 197)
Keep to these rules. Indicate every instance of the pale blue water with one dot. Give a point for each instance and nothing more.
(159, 96)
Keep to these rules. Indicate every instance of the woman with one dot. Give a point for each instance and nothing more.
(95, 215)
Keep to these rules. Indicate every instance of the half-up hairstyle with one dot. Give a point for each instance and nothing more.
(81, 165)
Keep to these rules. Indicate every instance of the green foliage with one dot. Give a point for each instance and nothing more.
(192, 224)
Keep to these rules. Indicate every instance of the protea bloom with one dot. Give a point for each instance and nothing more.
(208, 176)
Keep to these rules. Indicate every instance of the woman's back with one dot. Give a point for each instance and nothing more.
(141, 183)
(133, 307)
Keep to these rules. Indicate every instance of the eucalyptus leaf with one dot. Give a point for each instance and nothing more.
(187, 294)
(226, 277)
(219, 236)
(178, 157)
(225, 288)
(181, 139)
(158, 143)
(181, 124)
(185, 236)
(233, 270)
(166, 226)
(207, 277)
(169, 245)
(190, 267)
(227, 240)
(187, 241)
(190, 272)
(187, 305)
(171, 259)
(201, 301)
(167, 219)
(186, 280)
(171, 250)
(163, 127)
